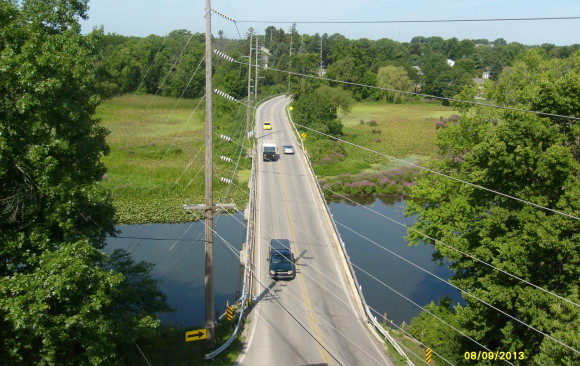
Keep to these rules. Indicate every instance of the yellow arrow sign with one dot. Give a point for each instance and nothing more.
(303, 135)
(195, 335)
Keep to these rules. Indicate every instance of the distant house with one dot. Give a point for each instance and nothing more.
(450, 62)
(486, 75)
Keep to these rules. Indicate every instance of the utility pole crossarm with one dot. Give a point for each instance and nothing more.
(201, 207)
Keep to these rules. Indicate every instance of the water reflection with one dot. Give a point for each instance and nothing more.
(177, 250)
(400, 282)
(179, 259)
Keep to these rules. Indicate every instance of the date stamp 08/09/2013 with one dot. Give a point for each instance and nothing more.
(497, 355)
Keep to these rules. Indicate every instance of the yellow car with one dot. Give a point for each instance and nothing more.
(267, 126)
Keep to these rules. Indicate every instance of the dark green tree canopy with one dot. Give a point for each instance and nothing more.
(525, 155)
(62, 300)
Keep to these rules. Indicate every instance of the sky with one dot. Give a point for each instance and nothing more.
(144, 17)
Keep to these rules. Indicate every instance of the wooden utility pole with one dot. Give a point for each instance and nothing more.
(209, 300)
(209, 208)
(256, 73)
(249, 85)
(290, 59)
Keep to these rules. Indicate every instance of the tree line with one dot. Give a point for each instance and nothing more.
(64, 301)
(172, 66)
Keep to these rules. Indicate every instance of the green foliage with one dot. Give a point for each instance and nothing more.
(60, 304)
(527, 156)
(317, 111)
(393, 77)
(338, 97)
(430, 328)
(169, 66)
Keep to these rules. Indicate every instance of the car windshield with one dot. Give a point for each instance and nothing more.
(279, 258)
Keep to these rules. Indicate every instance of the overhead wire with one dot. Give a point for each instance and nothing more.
(177, 102)
(506, 313)
(425, 310)
(442, 174)
(323, 288)
(456, 250)
(152, 62)
(412, 337)
(232, 249)
(468, 293)
(449, 99)
(411, 93)
(523, 323)
(427, 169)
(409, 21)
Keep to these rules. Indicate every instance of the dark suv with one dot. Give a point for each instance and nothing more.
(281, 260)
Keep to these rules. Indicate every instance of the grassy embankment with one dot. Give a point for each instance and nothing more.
(403, 131)
(157, 158)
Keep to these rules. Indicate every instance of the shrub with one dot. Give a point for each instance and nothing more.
(440, 124)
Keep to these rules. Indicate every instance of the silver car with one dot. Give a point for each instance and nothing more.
(288, 149)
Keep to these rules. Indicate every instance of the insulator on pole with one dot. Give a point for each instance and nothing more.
(224, 137)
(226, 158)
(223, 15)
(226, 180)
(222, 94)
(224, 56)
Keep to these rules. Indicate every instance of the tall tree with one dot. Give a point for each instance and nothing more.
(60, 302)
(394, 78)
(531, 157)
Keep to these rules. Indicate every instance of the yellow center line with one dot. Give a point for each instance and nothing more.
(306, 298)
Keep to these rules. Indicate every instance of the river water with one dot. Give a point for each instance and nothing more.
(374, 243)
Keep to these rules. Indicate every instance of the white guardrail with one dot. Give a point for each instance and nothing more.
(247, 259)
(371, 318)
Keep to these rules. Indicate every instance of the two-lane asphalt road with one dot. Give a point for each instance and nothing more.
(314, 318)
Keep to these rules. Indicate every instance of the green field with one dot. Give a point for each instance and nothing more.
(404, 131)
(377, 131)
(157, 158)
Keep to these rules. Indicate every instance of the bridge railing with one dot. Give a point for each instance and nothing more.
(370, 317)
(246, 259)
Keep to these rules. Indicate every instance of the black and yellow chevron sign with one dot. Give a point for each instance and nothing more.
(230, 313)
(428, 355)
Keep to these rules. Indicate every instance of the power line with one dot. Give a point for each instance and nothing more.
(468, 293)
(456, 250)
(442, 98)
(398, 293)
(411, 336)
(423, 95)
(412, 93)
(233, 250)
(422, 308)
(145, 238)
(439, 278)
(442, 174)
(407, 21)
